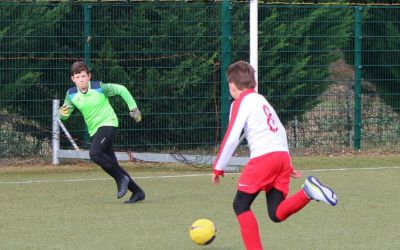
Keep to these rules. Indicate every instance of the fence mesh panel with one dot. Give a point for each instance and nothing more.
(171, 56)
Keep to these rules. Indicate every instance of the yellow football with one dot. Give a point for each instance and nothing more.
(202, 232)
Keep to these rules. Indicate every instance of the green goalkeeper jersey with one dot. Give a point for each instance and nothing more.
(94, 105)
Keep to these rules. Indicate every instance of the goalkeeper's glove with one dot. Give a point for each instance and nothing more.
(136, 115)
(63, 110)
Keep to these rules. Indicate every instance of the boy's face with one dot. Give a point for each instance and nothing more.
(81, 80)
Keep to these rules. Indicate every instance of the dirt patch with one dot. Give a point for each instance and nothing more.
(329, 127)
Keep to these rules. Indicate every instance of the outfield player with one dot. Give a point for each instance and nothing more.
(91, 99)
(269, 168)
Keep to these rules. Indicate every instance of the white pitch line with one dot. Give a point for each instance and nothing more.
(181, 176)
(347, 169)
(98, 179)
(49, 181)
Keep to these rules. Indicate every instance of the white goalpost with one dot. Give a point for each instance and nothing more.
(254, 37)
(253, 19)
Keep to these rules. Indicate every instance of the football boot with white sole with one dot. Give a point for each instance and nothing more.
(315, 190)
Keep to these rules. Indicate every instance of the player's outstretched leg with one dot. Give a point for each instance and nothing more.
(315, 190)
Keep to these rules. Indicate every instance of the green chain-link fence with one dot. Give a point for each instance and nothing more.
(331, 71)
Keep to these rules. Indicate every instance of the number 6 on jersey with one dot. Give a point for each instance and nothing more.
(270, 121)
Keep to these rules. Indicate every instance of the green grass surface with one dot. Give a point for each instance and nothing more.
(76, 208)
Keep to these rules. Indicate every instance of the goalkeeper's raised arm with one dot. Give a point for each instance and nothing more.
(112, 89)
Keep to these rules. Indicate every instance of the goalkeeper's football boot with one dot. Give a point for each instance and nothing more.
(316, 191)
(136, 197)
(122, 186)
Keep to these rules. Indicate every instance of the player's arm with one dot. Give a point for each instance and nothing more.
(112, 89)
(237, 121)
(65, 111)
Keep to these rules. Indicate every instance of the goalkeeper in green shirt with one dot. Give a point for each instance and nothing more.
(91, 99)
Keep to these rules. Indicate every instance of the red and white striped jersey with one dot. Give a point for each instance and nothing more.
(263, 130)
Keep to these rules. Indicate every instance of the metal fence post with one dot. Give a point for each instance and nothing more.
(55, 144)
(226, 51)
(87, 32)
(87, 36)
(357, 76)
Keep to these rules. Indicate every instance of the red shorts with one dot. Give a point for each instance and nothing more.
(267, 171)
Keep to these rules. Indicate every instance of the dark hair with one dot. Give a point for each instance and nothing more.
(241, 74)
(79, 66)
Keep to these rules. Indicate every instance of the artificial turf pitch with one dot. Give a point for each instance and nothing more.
(72, 207)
